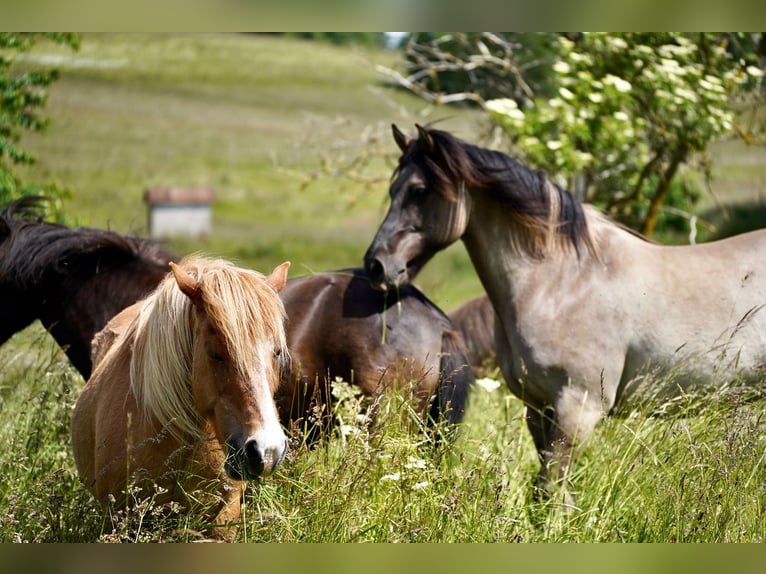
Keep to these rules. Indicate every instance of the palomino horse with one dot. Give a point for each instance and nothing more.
(475, 319)
(339, 326)
(586, 309)
(183, 385)
(73, 280)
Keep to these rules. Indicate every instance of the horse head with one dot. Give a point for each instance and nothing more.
(238, 343)
(429, 210)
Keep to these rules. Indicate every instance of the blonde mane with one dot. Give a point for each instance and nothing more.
(240, 304)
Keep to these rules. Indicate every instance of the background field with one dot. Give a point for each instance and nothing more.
(253, 117)
(267, 122)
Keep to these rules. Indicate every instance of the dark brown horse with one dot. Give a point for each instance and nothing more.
(339, 326)
(73, 279)
(475, 319)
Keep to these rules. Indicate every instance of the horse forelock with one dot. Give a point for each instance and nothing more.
(240, 305)
(549, 217)
(246, 311)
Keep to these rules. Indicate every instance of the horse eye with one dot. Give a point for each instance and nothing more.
(419, 189)
(215, 357)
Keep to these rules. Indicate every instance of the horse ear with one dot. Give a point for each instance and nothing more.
(278, 277)
(188, 285)
(425, 141)
(400, 138)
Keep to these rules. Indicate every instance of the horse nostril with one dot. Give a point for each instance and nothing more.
(375, 270)
(253, 459)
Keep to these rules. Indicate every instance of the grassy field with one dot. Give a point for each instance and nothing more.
(265, 121)
(270, 123)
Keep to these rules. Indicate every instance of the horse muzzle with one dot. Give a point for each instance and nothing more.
(385, 276)
(390, 265)
(250, 459)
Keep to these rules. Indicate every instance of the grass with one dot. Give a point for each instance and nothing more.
(270, 123)
(695, 476)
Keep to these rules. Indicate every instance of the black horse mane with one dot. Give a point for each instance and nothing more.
(31, 249)
(528, 194)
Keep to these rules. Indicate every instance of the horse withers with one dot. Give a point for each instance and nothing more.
(183, 386)
(586, 309)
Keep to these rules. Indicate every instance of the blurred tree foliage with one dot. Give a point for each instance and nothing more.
(343, 38)
(23, 95)
(616, 118)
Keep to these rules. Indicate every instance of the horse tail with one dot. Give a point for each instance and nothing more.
(455, 380)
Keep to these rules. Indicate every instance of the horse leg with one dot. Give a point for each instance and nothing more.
(551, 445)
(228, 513)
(558, 431)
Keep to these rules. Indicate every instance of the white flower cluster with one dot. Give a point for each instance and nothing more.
(603, 121)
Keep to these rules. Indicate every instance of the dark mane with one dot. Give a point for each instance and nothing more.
(528, 194)
(32, 250)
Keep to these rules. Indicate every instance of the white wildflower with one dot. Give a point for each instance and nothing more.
(686, 94)
(561, 67)
(488, 384)
(616, 43)
(413, 462)
(619, 84)
(505, 107)
(556, 102)
(553, 145)
(596, 97)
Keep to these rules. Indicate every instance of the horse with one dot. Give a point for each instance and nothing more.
(339, 326)
(181, 398)
(588, 311)
(73, 280)
(475, 319)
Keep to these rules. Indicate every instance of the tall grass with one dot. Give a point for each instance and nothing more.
(696, 475)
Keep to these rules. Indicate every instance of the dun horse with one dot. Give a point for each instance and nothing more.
(72, 280)
(183, 386)
(339, 326)
(586, 308)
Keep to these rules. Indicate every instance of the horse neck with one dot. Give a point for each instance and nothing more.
(80, 308)
(506, 259)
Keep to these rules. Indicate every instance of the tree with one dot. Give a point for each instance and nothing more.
(343, 38)
(22, 96)
(618, 115)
